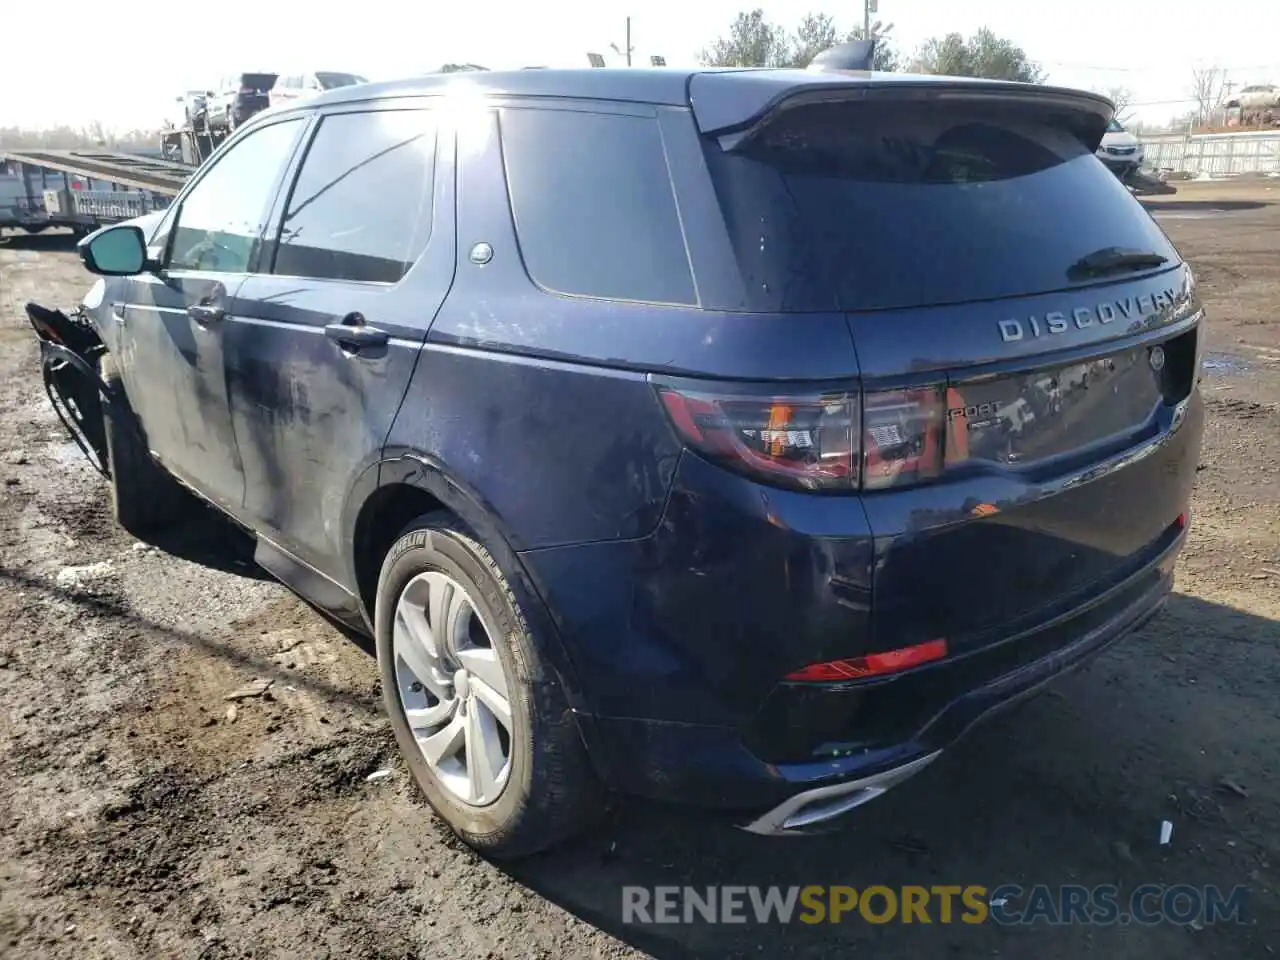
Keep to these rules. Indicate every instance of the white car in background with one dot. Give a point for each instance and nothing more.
(300, 86)
(1120, 150)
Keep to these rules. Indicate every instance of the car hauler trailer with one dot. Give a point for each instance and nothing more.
(82, 189)
(190, 146)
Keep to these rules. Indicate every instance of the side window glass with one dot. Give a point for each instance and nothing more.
(594, 209)
(221, 220)
(362, 204)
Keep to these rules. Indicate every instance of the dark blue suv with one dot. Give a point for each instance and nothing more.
(732, 437)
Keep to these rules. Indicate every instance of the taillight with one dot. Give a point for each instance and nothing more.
(902, 437)
(812, 440)
(801, 440)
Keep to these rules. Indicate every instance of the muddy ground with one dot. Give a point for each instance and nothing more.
(139, 819)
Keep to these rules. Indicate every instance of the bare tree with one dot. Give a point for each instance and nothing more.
(752, 42)
(65, 137)
(817, 32)
(1122, 97)
(1206, 90)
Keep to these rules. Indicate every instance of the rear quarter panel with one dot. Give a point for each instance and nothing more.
(540, 401)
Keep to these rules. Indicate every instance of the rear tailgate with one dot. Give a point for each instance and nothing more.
(988, 263)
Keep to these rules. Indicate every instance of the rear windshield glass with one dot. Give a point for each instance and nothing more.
(331, 80)
(259, 81)
(877, 206)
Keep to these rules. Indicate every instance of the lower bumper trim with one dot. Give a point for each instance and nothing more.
(810, 808)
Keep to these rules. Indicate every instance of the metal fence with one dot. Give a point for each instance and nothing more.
(1215, 154)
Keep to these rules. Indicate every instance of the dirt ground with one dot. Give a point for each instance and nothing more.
(138, 819)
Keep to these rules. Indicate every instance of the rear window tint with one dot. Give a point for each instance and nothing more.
(259, 81)
(331, 80)
(594, 210)
(877, 206)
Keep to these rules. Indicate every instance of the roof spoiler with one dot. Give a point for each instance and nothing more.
(736, 106)
(855, 55)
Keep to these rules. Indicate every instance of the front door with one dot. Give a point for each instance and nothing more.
(174, 321)
(326, 334)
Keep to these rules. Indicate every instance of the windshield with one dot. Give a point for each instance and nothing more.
(331, 80)
(881, 206)
(1114, 127)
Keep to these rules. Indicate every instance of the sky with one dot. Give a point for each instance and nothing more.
(1149, 48)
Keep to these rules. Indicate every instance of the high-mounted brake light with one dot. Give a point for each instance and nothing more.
(811, 440)
(872, 665)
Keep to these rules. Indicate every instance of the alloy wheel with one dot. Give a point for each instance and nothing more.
(453, 689)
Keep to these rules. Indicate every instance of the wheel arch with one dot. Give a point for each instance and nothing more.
(406, 484)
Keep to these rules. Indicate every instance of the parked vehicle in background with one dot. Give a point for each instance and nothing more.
(1120, 150)
(237, 97)
(299, 86)
(592, 397)
(35, 197)
(194, 103)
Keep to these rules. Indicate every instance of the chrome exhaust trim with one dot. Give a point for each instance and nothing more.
(797, 814)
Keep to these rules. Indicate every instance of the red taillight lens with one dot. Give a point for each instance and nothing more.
(813, 440)
(804, 441)
(872, 665)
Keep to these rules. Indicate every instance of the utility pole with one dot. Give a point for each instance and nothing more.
(868, 8)
(626, 51)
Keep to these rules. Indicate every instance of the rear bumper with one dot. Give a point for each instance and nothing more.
(710, 766)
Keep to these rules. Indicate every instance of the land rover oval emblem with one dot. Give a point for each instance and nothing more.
(1157, 358)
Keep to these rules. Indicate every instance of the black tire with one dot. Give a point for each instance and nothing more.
(143, 495)
(551, 792)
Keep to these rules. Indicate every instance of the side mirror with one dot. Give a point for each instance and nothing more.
(117, 251)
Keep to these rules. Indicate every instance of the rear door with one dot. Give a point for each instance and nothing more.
(1023, 327)
(173, 324)
(321, 350)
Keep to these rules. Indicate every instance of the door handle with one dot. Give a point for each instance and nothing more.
(356, 335)
(205, 313)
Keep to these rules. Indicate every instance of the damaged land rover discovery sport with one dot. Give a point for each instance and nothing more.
(732, 437)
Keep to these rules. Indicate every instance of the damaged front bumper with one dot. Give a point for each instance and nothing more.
(69, 352)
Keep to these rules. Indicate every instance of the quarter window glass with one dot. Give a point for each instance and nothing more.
(594, 210)
(222, 218)
(361, 207)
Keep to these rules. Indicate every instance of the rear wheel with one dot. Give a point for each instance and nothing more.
(143, 496)
(479, 714)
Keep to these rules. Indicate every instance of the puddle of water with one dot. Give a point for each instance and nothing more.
(1223, 363)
